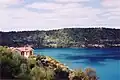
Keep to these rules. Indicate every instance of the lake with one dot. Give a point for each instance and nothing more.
(106, 61)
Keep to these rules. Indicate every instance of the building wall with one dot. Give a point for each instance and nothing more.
(25, 53)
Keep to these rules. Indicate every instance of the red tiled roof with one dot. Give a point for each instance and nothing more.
(24, 48)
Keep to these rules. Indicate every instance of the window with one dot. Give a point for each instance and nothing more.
(22, 53)
(30, 52)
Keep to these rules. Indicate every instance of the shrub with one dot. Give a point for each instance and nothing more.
(88, 74)
(61, 75)
(91, 73)
(40, 73)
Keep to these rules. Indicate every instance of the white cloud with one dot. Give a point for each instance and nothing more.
(49, 6)
(58, 15)
(113, 9)
(10, 2)
(111, 3)
(72, 10)
(6, 1)
(72, 1)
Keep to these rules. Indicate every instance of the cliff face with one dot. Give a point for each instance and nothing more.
(68, 37)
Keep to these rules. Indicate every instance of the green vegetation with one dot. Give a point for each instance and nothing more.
(14, 66)
(40, 73)
(68, 37)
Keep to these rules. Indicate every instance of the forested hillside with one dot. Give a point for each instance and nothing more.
(68, 37)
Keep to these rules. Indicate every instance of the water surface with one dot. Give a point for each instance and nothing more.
(106, 61)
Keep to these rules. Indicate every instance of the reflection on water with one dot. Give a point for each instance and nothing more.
(94, 57)
(105, 61)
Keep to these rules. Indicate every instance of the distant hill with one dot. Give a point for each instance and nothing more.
(67, 37)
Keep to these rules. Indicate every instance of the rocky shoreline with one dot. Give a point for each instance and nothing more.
(55, 65)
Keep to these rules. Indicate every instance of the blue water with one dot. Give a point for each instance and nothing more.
(106, 62)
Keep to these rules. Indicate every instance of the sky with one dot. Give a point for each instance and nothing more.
(19, 15)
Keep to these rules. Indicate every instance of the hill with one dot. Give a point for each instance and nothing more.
(67, 37)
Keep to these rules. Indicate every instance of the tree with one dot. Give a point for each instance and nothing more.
(9, 65)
